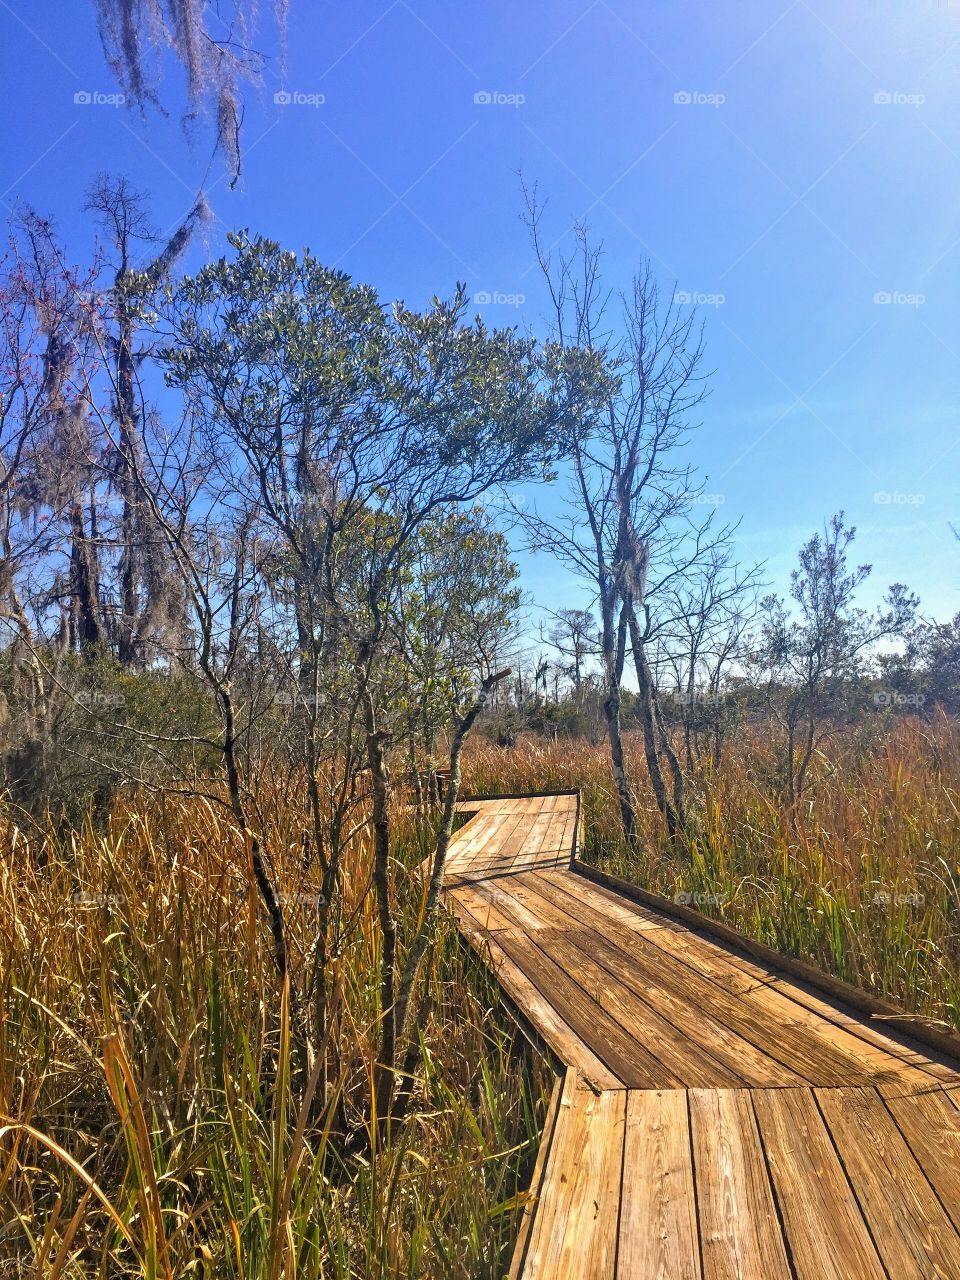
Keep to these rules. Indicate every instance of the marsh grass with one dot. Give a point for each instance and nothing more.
(150, 1127)
(863, 879)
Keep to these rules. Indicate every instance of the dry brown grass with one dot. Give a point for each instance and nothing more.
(145, 1065)
(144, 1056)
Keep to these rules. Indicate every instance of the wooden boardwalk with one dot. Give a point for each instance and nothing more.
(715, 1117)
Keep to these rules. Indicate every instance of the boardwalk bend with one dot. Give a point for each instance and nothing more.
(722, 1113)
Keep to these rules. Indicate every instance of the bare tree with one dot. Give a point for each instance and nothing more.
(634, 527)
(701, 637)
(49, 572)
(144, 601)
(574, 636)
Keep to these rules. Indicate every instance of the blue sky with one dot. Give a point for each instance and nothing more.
(797, 165)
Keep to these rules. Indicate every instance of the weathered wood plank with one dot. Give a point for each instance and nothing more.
(740, 974)
(878, 1064)
(598, 968)
(566, 1043)
(681, 1055)
(605, 903)
(807, 1056)
(913, 1233)
(739, 1228)
(930, 1123)
(631, 1062)
(738, 1060)
(702, 1150)
(922, 1030)
(659, 1234)
(525, 973)
(824, 1226)
(537, 1179)
(817, 1049)
(575, 1230)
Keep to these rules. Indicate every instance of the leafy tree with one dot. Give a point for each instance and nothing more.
(456, 610)
(340, 429)
(925, 673)
(815, 657)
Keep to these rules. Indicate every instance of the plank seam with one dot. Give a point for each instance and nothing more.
(612, 1013)
(950, 1216)
(598, 958)
(623, 1174)
(696, 1191)
(774, 1191)
(851, 1184)
(538, 1177)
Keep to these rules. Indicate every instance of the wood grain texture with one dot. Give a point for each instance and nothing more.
(719, 1118)
(538, 1178)
(575, 1229)
(659, 1234)
(913, 1233)
(930, 1125)
(825, 1230)
(739, 1228)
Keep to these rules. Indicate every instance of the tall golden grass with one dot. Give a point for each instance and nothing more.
(862, 879)
(149, 1126)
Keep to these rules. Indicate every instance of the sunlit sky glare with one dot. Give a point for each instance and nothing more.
(796, 165)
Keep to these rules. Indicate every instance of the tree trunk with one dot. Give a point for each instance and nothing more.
(385, 1067)
(425, 933)
(652, 733)
(299, 1035)
(676, 773)
(84, 581)
(613, 643)
(127, 483)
